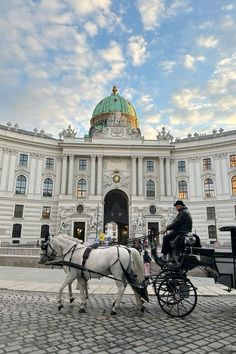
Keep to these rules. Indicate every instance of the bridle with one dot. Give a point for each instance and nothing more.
(44, 247)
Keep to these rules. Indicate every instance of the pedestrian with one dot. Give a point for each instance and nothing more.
(146, 260)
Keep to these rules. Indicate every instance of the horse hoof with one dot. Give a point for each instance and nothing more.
(60, 307)
(81, 310)
(72, 300)
(113, 313)
(142, 309)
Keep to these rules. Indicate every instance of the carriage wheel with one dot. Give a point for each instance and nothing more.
(177, 296)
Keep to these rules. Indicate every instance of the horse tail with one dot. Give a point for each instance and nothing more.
(137, 265)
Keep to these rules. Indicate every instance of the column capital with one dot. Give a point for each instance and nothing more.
(93, 156)
(140, 157)
(134, 157)
(100, 156)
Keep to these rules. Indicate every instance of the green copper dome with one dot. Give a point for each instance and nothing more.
(114, 103)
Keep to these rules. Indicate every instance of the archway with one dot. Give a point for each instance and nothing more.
(116, 210)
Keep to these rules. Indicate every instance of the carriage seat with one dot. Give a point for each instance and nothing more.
(183, 243)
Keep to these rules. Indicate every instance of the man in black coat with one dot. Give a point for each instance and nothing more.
(181, 225)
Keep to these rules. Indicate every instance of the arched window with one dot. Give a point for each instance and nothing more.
(16, 230)
(44, 231)
(212, 232)
(183, 189)
(209, 188)
(82, 188)
(47, 187)
(150, 189)
(21, 184)
(233, 184)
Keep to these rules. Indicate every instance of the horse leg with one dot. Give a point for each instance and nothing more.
(121, 288)
(70, 277)
(83, 287)
(71, 297)
(139, 301)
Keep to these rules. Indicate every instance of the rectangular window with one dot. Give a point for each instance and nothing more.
(49, 163)
(46, 213)
(18, 212)
(23, 160)
(207, 164)
(181, 166)
(232, 160)
(82, 165)
(150, 166)
(212, 232)
(211, 213)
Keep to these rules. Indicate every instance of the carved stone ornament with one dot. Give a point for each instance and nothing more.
(68, 133)
(164, 136)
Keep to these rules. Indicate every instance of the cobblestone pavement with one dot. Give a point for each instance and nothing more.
(30, 323)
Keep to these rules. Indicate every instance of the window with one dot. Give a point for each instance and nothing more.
(23, 160)
(18, 213)
(207, 164)
(150, 166)
(82, 165)
(181, 166)
(150, 189)
(209, 188)
(80, 209)
(212, 232)
(16, 231)
(47, 187)
(21, 184)
(44, 231)
(81, 188)
(233, 184)
(211, 213)
(232, 160)
(49, 163)
(183, 189)
(46, 213)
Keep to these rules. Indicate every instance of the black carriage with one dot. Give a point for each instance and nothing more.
(176, 294)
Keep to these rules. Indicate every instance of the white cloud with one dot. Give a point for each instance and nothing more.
(153, 119)
(137, 49)
(113, 53)
(207, 41)
(228, 7)
(153, 12)
(168, 66)
(189, 61)
(146, 102)
(91, 28)
(89, 6)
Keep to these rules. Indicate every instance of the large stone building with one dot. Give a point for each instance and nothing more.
(113, 176)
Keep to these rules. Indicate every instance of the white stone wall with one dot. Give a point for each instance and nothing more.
(104, 158)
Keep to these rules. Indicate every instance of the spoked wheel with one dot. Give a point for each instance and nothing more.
(177, 296)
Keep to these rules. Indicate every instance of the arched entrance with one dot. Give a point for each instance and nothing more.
(116, 210)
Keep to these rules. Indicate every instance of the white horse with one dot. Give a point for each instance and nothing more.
(117, 261)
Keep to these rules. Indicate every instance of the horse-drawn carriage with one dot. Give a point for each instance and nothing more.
(176, 294)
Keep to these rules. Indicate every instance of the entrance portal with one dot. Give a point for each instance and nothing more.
(116, 210)
(153, 232)
(79, 230)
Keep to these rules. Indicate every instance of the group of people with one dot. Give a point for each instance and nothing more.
(181, 225)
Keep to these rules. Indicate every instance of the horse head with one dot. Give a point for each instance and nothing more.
(48, 250)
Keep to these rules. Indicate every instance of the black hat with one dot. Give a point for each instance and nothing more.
(179, 202)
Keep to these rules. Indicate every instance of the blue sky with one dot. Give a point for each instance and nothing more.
(174, 59)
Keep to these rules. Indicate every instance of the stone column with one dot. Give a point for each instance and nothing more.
(226, 182)
(11, 175)
(92, 174)
(33, 159)
(140, 175)
(192, 182)
(168, 180)
(58, 176)
(198, 177)
(39, 174)
(71, 174)
(218, 175)
(5, 168)
(162, 176)
(134, 175)
(64, 174)
(99, 175)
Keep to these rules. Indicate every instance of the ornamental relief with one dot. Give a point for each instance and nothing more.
(116, 179)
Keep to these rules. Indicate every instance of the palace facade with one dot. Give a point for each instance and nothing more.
(113, 179)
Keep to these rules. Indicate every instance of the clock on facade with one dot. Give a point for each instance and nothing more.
(116, 178)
